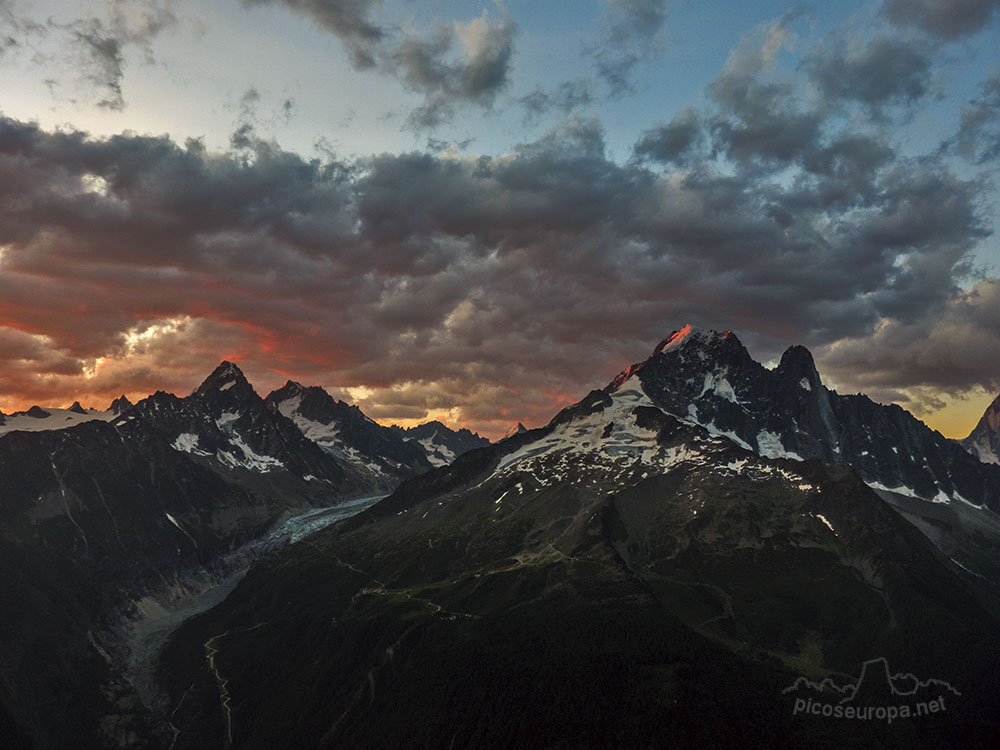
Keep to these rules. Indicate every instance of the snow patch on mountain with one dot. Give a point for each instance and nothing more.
(770, 446)
(187, 442)
(715, 382)
(249, 459)
(437, 453)
(829, 525)
(51, 419)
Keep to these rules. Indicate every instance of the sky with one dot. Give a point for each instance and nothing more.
(477, 212)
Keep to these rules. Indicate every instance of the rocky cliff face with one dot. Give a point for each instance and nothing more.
(984, 440)
(378, 453)
(709, 378)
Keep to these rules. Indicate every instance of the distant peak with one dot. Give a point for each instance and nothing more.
(797, 363)
(227, 376)
(689, 334)
(991, 417)
(76, 408)
(37, 412)
(290, 389)
(515, 430)
(120, 404)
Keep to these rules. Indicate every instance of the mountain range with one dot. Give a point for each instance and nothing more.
(112, 522)
(650, 569)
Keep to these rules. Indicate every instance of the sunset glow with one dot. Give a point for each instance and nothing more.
(478, 214)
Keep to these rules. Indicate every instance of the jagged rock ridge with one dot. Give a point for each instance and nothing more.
(709, 378)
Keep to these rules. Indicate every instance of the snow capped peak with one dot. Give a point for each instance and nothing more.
(678, 338)
(689, 335)
(515, 430)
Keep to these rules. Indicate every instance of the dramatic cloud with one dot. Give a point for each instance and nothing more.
(886, 70)
(951, 352)
(947, 19)
(798, 203)
(674, 142)
(484, 290)
(760, 121)
(476, 75)
(451, 65)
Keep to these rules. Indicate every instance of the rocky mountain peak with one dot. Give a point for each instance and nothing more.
(991, 418)
(690, 348)
(691, 336)
(226, 378)
(984, 441)
(120, 404)
(289, 390)
(797, 366)
(77, 408)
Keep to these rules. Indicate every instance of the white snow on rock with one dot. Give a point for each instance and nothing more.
(584, 436)
(805, 384)
(829, 525)
(981, 449)
(187, 442)
(437, 453)
(900, 490)
(325, 435)
(717, 383)
(226, 418)
(250, 459)
(940, 497)
(58, 419)
(771, 446)
(727, 434)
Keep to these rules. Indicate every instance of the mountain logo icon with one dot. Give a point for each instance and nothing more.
(878, 694)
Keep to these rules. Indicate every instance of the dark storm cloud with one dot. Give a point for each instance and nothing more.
(760, 121)
(947, 19)
(476, 74)
(444, 280)
(949, 353)
(451, 65)
(886, 70)
(674, 142)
